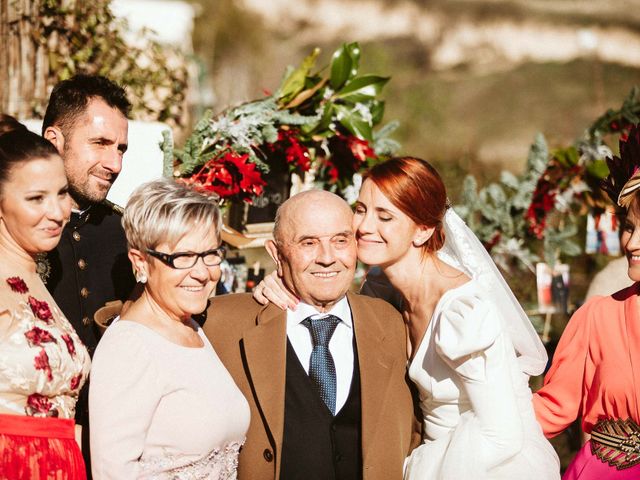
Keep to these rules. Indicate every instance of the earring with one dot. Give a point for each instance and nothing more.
(141, 277)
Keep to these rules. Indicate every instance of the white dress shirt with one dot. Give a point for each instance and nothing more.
(340, 345)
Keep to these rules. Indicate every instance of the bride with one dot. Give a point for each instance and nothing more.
(470, 344)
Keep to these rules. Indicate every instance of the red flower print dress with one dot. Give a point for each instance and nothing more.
(43, 365)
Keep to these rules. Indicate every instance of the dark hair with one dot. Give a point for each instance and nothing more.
(69, 99)
(19, 145)
(415, 187)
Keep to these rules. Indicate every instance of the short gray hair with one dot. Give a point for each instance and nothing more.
(163, 211)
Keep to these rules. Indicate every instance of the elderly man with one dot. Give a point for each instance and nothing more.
(326, 382)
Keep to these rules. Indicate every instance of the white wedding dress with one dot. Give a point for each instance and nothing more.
(479, 422)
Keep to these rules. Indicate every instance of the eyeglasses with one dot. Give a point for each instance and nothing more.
(182, 260)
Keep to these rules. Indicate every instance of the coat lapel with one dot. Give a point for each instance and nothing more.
(265, 351)
(375, 366)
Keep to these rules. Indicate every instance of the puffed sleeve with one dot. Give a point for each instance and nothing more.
(558, 402)
(470, 340)
(123, 396)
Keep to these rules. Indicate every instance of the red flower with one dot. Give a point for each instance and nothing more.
(332, 172)
(39, 404)
(360, 149)
(40, 309)
(229, 175)
(71, 348)
(289, 146)
(37, 336)
(75, 381)
(42, 363)
(17, 285)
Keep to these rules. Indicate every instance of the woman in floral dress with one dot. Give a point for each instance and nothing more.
(43, 364)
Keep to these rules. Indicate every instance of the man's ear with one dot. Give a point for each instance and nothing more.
(272, 249)
(55, 136)
(422, 235)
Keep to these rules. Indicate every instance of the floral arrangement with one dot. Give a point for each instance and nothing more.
(317, 121)
(543, 206)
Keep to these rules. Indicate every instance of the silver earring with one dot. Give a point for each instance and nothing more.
(141, 277)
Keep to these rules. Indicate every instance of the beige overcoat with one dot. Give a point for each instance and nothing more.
(250, 339)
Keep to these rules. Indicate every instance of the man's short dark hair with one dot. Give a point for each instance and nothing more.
(69, 99)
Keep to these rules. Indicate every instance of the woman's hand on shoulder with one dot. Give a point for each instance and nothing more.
(271, 289)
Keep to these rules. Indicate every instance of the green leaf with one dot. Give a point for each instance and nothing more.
(567, 157)
(354, 123)
(362, 88)
(598, 169)
(295, 79)
(377, 111)
(341, 65)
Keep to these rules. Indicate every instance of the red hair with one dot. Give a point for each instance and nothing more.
(416, 189)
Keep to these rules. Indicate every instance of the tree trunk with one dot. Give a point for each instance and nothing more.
(23, 63)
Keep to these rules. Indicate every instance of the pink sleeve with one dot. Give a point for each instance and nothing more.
(559, 401)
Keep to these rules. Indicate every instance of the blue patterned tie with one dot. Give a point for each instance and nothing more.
(322, 370)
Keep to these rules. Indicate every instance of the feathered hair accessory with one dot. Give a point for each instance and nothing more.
(624, 171)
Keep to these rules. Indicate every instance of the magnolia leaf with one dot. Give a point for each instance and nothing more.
(362, 88)
(354, 123)
(294, 81)
(341, 66)
(377, 111)
(305, 95)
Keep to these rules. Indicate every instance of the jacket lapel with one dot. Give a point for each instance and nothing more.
(265, 351)
(375, 366)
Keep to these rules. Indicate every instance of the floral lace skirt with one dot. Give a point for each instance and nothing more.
(39, 449)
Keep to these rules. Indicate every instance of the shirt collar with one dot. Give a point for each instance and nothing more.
(341, 310)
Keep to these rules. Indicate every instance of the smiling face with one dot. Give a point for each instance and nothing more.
(35, 204)
(316, 250)
(93, 150)
(183, 292)
(630, 240)
(384, 233)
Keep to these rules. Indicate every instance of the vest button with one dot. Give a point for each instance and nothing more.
(86, 321)
(84, 292)
(76, 235)
(82, 264)
(268, 456)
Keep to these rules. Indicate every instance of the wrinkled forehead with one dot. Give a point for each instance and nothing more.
(318, 221)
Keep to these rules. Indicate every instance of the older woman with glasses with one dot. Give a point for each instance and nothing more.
(162, 404)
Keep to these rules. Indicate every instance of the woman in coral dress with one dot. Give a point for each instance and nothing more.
(595, 372)
(43, 364)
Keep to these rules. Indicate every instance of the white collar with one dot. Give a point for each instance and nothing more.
(341, 310)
